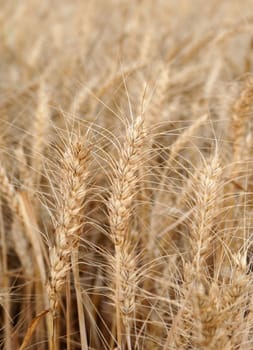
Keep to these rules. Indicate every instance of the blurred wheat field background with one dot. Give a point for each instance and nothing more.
(126, 194)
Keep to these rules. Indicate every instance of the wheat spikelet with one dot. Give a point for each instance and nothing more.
(125, 284)
(207, 317)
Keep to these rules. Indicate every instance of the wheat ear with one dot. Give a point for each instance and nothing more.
(198, 286)
(69, 222)
(120, 208)
(242, 112)
(9, 191)
(202, 239)
(40, 132)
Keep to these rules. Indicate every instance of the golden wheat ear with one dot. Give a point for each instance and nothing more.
(120, 206)
(73, 188)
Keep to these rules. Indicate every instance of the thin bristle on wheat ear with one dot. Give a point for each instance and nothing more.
(120, 209)
(69, 222)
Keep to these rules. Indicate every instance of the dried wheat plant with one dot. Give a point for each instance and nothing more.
(126, 206)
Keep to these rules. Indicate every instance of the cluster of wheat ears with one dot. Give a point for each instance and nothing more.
(126, 153)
